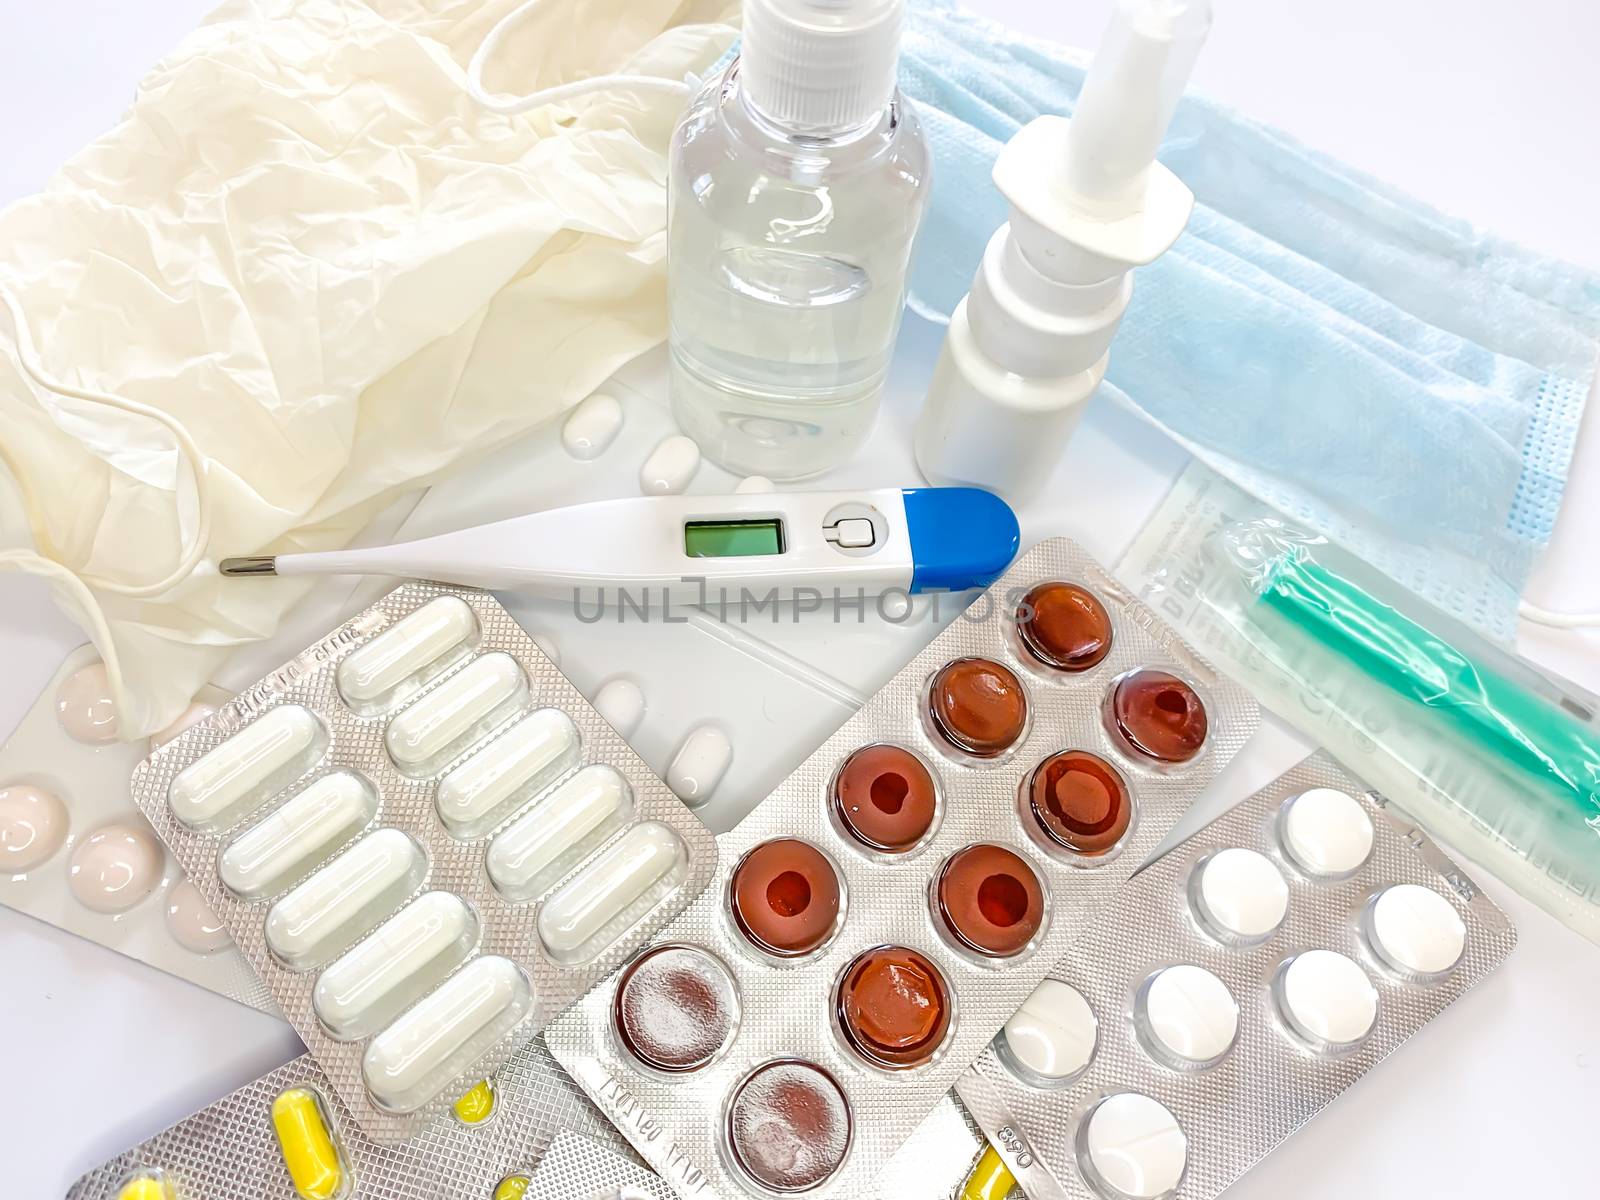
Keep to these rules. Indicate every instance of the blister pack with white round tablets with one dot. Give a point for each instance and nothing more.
(75, 850)
(890, 905)
(426, 842)
(1237, 985)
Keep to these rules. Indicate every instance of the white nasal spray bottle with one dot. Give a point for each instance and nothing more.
(1029, 344)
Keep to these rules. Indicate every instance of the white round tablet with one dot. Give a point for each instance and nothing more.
(1051, 1038)
(1186, 1017)
(1133, 1147)
(1326, 832)
(1326, 999)
(1239, 895)
(1415, 930)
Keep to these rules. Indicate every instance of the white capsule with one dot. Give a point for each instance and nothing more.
(580, 919)
(1052, 1037)
(1239, 895)
(1416, 931)
(336, 905)
(754, 485)
(699, 764)
(591, 427)
(402, 960)
(670, 467)
(304, 830)
(1186, 1017)
(420, 644)
(439, 723)
(441, 1035)
(1326, 832)
(621, 703)
(520, 763)
(1134, 1146)
(1326, 1000)
(528, 855)
(230, 781)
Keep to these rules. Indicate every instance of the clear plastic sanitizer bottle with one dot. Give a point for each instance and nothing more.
(797, 182)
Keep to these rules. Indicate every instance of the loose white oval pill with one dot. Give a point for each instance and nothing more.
(230, 781)
(438, 724)
(1326, 999)
(418, 645)
(521, 762)
(575, 921)
(340, 902)
(526, 856)
(699, 764)
(304, 830)
(403, 959)
(591, 427)
(621, 703)
(1326, 832)
(1052, 1036)
(1416, 931)
(84, 705)
(1134, 1146)
(1240, 895)
(191, 922)
(436, 1039)
(670, 467)
(754, 485)
(1186, 1017)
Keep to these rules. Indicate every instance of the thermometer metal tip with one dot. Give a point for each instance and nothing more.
(251, 564)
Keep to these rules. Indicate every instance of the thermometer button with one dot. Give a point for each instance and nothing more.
(853, 533)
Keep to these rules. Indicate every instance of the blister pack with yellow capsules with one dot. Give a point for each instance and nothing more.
(426, 842)
(1244, 981)
(288, 1136)
(878, 917)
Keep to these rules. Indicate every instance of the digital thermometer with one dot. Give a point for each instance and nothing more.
(700, 548)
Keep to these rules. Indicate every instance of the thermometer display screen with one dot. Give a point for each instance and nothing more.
(733, 539)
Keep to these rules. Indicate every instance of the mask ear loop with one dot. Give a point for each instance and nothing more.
(1557, 620)
(508, 105)
(43, 564)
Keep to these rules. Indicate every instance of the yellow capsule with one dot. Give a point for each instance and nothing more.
(145, 1185)
(315, 1167)
(477, 1105)
(991, 1179)
(512, 1187)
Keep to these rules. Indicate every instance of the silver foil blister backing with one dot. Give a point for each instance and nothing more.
(356, 743)
(677, 1125)
(228, 1151)
(1267, 1086)
(575, 1168)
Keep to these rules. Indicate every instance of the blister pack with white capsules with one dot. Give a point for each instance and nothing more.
(1238, 985)
(288, 1136)
(426, 842)
(880, 915)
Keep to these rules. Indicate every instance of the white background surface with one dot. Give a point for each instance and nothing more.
(1485, 109)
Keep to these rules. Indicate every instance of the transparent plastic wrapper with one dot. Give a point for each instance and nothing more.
(245, 1146)
(426, 842)
(1491, 755)
(884, 911)
(1247, 978)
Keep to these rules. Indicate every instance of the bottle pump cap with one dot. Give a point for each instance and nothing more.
(821, 65)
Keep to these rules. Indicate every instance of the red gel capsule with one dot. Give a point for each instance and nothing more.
(885, 798)
(1080, 802)
(1156, 715)
(990, 900)
(893, 1007)
(676, 1008)
(785, 896)
(789, 1126)
(978, 706)
(1064, 626)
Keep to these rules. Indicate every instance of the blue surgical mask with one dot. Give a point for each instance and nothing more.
(1405, 384)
